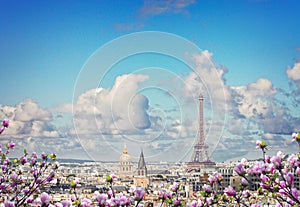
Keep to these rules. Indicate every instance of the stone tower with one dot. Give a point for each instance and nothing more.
(141, 178)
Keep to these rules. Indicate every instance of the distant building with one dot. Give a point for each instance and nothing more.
(125, 165)
(141, 179)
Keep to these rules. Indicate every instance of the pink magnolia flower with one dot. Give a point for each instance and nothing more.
(86, 202)
(23, 160)
(207, 188)
(296, 137)
(11, 145)
(26, 191)
(45, 198)
(289, 179)
(246, 194)
(14, 176)
(295, 192)
(101, 198)
(66, 203)
(163, 194)
(139, 193)
(110, 193)
(244, 161)
(175, 187)
(298, 170)
(293, 160)
(193, 204)
(43, 155)
(132, 189)
(229, 191)
(276, 161)
(244, 182)
(283, 191)
(280, 154)
(1, 130)
(239, 169)
(216, 177)
(5, 123)
(9, 204)
(267, 159)
(264, 178)
(209, 201)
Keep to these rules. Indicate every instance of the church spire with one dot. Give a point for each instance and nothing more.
(142, 169)
(141, 161)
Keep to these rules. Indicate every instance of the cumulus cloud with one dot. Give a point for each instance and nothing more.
(28, 119)
(294, 74)
(255, 99)
(62, 108)
(255, 108)
(29, 110)
(118, 110)
(207, 79)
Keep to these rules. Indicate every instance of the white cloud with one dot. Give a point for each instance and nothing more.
(294, 73)
(208, 79)
(28, 119)
(262, 87)
(255, 99)
(159, 7)
(119, 110)
(29, 110)
(62, 108)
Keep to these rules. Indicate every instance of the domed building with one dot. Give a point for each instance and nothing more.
(125, 164)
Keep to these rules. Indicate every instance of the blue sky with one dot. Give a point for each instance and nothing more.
(252, 45)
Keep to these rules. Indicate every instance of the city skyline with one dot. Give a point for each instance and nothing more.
(84, 78)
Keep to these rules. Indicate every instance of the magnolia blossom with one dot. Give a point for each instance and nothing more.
(296, 137)
(229, 191)
(132, 189)
(295, 192)
(175, 187)
(86, 202)
(9, 204)
(207, 188)
(293, 160)
(45, 198)
(11, 145)
(239, 169)
(244, 182)
(5, 123)
(289, 179)
(216, 177)
(276, 160)
(66, 203)
(139, 193)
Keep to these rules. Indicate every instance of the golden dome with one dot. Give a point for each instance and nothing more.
(125, 157)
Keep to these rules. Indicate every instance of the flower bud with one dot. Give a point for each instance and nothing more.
(5, 123)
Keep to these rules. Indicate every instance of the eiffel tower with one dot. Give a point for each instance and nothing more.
(200, 158)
